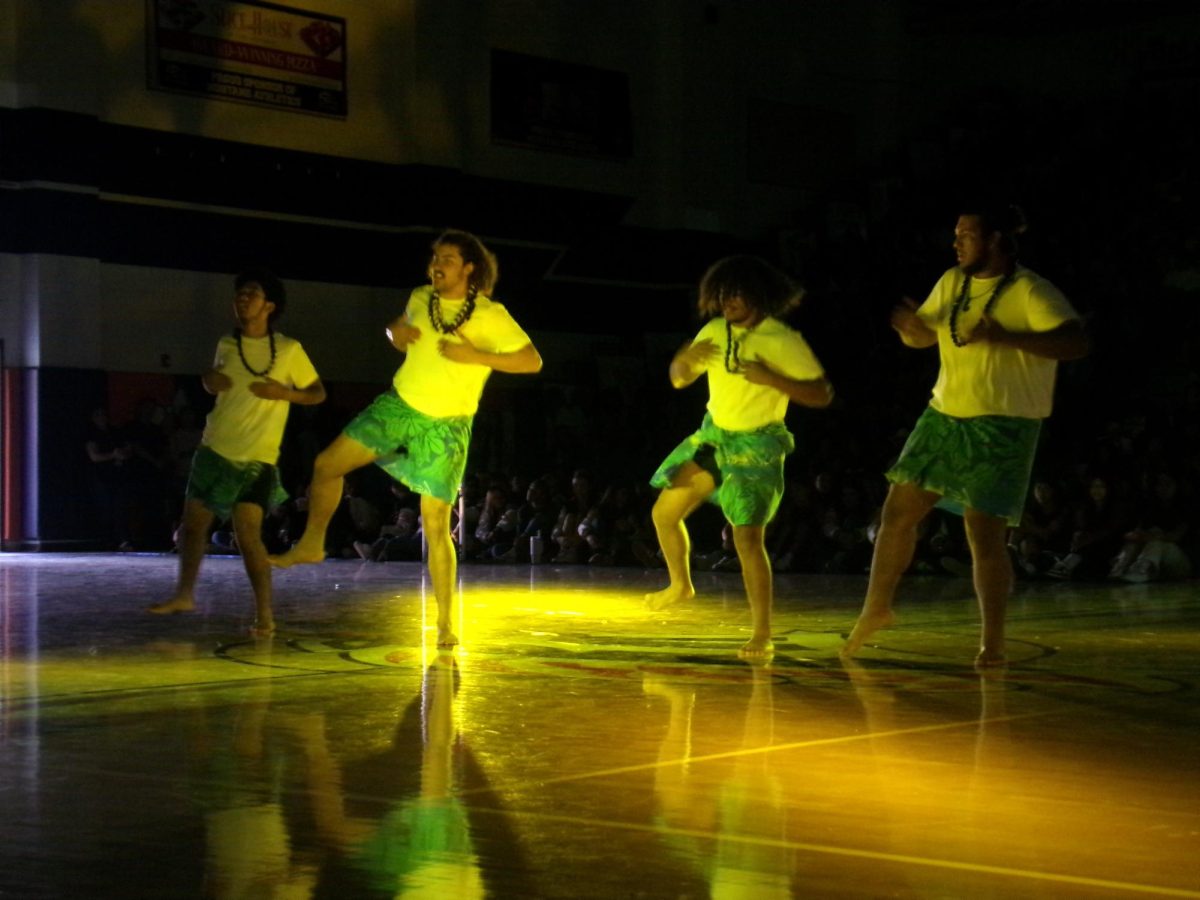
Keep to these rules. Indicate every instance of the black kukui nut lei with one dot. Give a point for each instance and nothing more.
(237, 333)
(731, 350)
(464, 314)
(963, 302)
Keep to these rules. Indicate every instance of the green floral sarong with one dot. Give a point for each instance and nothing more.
(746, 465)
(423, 833)
(980, 463)
(220, 483)
(426, 453)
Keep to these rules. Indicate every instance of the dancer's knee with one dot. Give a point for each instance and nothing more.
(435, 516)
(326, 466)
(748, 538)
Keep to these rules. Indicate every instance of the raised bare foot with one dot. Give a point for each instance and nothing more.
(297, 556)
(180, 603)
(990, 659)
(446, 640)
(757, 648)
(867, 625)
(669, 596)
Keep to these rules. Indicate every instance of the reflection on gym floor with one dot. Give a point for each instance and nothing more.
(578, 745)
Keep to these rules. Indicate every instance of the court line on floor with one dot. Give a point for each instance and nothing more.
(38, 702)
(770, 748)
(875, 855)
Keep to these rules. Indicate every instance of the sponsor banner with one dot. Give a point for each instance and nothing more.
(250, 52)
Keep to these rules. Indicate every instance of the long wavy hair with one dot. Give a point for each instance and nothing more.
(761, 285)
(486, 273)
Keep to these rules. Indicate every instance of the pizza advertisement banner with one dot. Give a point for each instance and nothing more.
(248, 52)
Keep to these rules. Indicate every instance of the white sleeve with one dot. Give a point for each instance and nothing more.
(504, 335)
(1048, 308)
(300, 370)
(937, 304)
(796, 359)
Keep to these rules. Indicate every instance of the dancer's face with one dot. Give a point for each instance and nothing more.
(448, 274)
(737, 311)
(251, 306)
(975, 251)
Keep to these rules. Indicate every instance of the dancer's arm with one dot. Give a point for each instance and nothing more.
(270, 389)
(525, 361)
(214, 381)
(401, 333)
(1068, 341)
(912, 330)
(691, 361)
(817, 392)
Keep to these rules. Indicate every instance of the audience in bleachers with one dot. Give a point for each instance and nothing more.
(1044, 535)
(1120, 505)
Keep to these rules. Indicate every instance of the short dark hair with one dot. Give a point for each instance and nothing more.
(995, 216)
(487, 270)
(756, 281)
(272, 287)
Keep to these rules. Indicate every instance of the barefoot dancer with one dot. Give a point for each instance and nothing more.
(257, 373)
(453, 336)
(1000, 330)
(755, 365)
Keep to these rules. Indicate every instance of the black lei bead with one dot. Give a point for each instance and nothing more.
(237, 333)
(464, 314)
(963, 302)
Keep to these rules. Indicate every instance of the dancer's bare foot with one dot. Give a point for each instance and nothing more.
(263, 628)
(867, 625)
(669, 596)
(990, 659)
(180, 603)
(297, 556)
(446, 640)
(757, 648)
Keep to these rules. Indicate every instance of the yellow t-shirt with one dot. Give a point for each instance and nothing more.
(735, 403)
(436, 386)
(241, 426)
(986, 379)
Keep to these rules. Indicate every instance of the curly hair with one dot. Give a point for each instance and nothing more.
(487, 270)
(761, 285)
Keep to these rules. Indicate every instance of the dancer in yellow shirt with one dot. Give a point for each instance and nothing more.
(256, 374)
(453, 336)
(755, 365)
(1000, 330)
